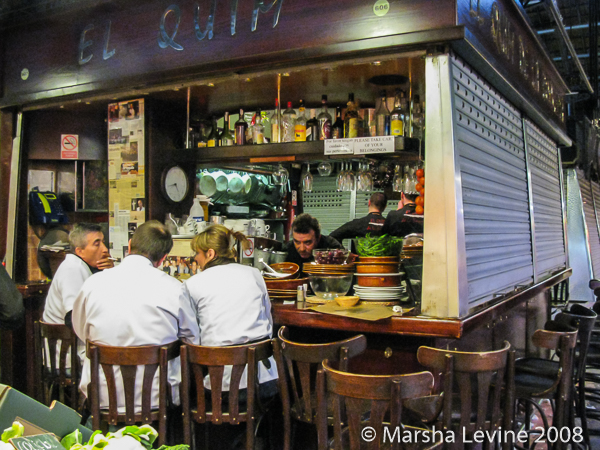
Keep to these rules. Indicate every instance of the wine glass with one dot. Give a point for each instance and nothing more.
(350, 179)
(280, 176)
(307, 181)
(340, 178)
(324, 169)
(397, 181)
(362, 182)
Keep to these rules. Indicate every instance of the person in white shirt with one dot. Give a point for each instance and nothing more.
(135, 304)
(231, 302)
(89, 255)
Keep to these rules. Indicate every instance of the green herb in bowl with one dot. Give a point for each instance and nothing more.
(384, 245)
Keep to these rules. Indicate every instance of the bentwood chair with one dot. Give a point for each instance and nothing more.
(214, 406)
(297, 364)
(478, 391)
(128, 359)
(58, 367)
(374, 401)
(539, 378)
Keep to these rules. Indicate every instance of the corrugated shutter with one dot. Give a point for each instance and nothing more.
(331, 208)
(590, 220)
(491, 159)
(549, 240)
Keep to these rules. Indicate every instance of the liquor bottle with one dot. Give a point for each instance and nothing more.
(300, 124)
(397, 116)
(382, 116)
(337, 129)
(275, 122)
(213, 137)
(352, 120)
(202, 141)
(240, 130)
(258, 132)
(226, 138)
(324, 120)
(287, 123)
(312, 127)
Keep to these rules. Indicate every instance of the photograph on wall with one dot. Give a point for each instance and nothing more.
(138, 204)
(129, 168)
(130, 153)
(133, 110)
(132, 226)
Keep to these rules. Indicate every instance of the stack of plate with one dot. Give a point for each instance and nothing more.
(284, 289)
(327, 269)
(382, 295)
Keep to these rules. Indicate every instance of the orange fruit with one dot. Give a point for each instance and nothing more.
(422, 192)
(421, 180)
(418, 187)
(419, 210)
(420, 173)
(420, 201)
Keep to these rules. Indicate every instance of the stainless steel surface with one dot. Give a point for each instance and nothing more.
(589, 215)
(563, 202)
(531, 215)
(13, 200)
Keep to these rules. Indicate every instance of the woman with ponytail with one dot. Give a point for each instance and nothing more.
(231, 300)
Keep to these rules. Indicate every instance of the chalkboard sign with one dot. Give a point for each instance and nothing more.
(46, 441)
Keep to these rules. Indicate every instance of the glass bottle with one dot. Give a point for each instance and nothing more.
(352, 120)
(258, 131)
(324, 121)
(275, 122)
(213, 137)
(240, 129)
(202, 140)
(287, 123)
(307, 180)
(312, 127)
(300, 124)
(397, 116)
(337, 129)
(226, 139)
(382, 116)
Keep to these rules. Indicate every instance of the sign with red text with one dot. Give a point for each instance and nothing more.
(69, 146)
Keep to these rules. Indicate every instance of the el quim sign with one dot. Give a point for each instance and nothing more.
(168, 38)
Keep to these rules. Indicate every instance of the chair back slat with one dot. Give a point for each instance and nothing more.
(215, 374)
(129, 362)
(304, 403)
(234, 392)
(200, 411)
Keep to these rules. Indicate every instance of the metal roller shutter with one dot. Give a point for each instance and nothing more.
(546, 198)
(491, 159)
(331, 208)
(590, 221)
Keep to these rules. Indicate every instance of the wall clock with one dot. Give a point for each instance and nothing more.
(175, 184)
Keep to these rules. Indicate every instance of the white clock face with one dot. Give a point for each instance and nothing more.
(176, 184)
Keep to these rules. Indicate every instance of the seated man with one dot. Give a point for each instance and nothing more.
(306, 236)
(89, 255)
(135, 304)
(371, 224)
(396, 222)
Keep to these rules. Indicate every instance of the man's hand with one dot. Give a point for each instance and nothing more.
(105, 263)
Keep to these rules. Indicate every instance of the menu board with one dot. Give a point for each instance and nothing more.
(126, 168)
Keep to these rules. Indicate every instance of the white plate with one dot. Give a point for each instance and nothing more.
(379, 289)
(378, 297)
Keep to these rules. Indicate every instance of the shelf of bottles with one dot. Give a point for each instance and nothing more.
(287, 134)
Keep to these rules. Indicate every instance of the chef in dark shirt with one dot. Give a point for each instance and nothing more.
(371, 224)
(396, 222)
(306, 236)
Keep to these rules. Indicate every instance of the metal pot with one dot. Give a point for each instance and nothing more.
(218, 220)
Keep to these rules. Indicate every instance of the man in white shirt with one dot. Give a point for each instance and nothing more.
(89, 256)
(135, 304)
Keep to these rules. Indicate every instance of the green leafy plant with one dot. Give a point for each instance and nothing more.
(384, 245)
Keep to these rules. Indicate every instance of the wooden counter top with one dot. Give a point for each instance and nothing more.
(292, 315)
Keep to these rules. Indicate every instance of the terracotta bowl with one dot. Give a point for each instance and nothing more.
(286, 284)
(292, 269)
(346, 301)
(378, 280)
(384, 267)
(378, 259)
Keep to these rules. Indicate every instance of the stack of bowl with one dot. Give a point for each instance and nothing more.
(329, 275)
(286, 289)
(378, 279)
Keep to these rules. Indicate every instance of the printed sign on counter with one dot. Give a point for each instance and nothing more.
(376, 144)
(339, 146)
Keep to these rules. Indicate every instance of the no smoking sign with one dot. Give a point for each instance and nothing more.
(69, 146)
(249, 252)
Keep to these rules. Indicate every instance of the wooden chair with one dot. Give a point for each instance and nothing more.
(367, 401)
(197, 361)
(152, 357)
(478, 390)
(51, 366)
(297, 365)
(537, 378)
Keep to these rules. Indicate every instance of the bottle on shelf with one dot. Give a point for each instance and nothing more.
(352, 121)
(287, 123)
(417, 118)
(226, 139)
(258, 131)
(240, 129)
(196, 211)
(312, 127)
(337, 129)
(202, 140)
(397, 116)
(382, 116)
(275, 124)
(324, 121)
(300, 124)
(213, 137)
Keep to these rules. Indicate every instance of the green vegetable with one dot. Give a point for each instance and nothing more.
(175, 447)
(71, 439)
(15, 430)
(378, 246)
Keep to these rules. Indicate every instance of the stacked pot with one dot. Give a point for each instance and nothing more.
(378, 279)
